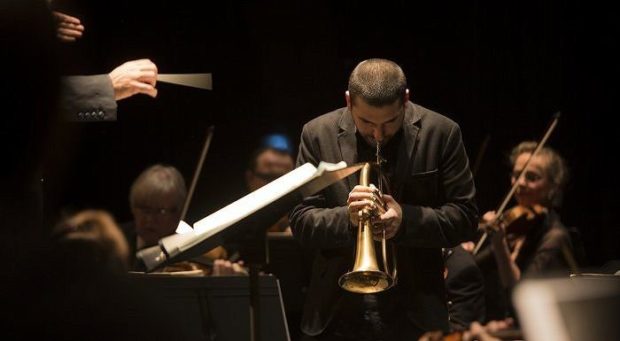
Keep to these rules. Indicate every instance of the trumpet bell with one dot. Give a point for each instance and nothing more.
(366, 282)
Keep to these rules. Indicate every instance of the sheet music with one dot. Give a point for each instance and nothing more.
(254, 201)
(247, 205)
(306, 179)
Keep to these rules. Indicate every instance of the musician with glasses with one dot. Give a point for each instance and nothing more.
(431, 206)
(156, 199)
(267, 164)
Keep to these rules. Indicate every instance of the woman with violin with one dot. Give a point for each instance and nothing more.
(529, 239)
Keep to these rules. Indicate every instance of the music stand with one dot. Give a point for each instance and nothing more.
(256, 212)
(584, 307)
(215, 308)
(290, 262)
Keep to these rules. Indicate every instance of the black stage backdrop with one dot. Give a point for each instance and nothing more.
(498, 69)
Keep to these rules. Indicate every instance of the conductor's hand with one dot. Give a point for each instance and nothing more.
(389, 221)
(68, 28)
(136, 76)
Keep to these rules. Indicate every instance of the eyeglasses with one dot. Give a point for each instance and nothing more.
(267, 177)
(157, 210)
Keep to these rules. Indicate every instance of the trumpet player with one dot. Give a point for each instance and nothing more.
(428, 204)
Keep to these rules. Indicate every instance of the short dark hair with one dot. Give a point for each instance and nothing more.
(378, 82)
(253, 161)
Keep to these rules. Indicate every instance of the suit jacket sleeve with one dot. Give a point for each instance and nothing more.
(87, 98)
(313, 222)
(464, 289)
(453, 217)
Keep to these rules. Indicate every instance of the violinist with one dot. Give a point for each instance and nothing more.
(529, 239)
(156, 199)
(530, 242)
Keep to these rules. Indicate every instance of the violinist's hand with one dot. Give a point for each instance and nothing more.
(389, 221)
(468, 246)
(136, 76)
(68, 28)
(482, 333)
(223, 267)
(478, 332)
(359, 198)
(490, 224)
(497, 325)
(436, 335)
(489, 217)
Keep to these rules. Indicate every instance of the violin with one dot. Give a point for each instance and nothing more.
(520, 219)
(516, 223)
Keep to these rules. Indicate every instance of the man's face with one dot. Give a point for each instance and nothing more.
(270, 165)
(377, 124)
(157, 219)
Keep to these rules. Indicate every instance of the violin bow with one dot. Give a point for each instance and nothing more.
(192, 187)
(513, 189)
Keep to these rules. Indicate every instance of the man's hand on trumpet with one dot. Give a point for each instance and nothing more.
(389, 221)
(385, 214)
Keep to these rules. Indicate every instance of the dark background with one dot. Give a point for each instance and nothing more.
(500, 70)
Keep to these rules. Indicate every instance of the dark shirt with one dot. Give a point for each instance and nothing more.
(369, 316)
(541, 255)
(464, 289)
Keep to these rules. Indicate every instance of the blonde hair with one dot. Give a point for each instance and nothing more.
(556, 169)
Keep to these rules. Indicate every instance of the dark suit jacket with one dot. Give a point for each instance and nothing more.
(433, 185)
(465, 289)
(87, 98)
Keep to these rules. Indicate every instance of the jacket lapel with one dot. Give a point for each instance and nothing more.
(406, 150)
(348, 144)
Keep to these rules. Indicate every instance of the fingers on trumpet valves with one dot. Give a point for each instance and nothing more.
(379, 206)
(378, 226)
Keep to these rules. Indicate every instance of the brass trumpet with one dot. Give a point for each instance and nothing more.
(366, 277)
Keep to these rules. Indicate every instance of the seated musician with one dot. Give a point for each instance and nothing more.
(464, 288)
(99, 229)
(290, 264)
(156, 199)
(542, 246)
(86, 294)
(267, 164)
